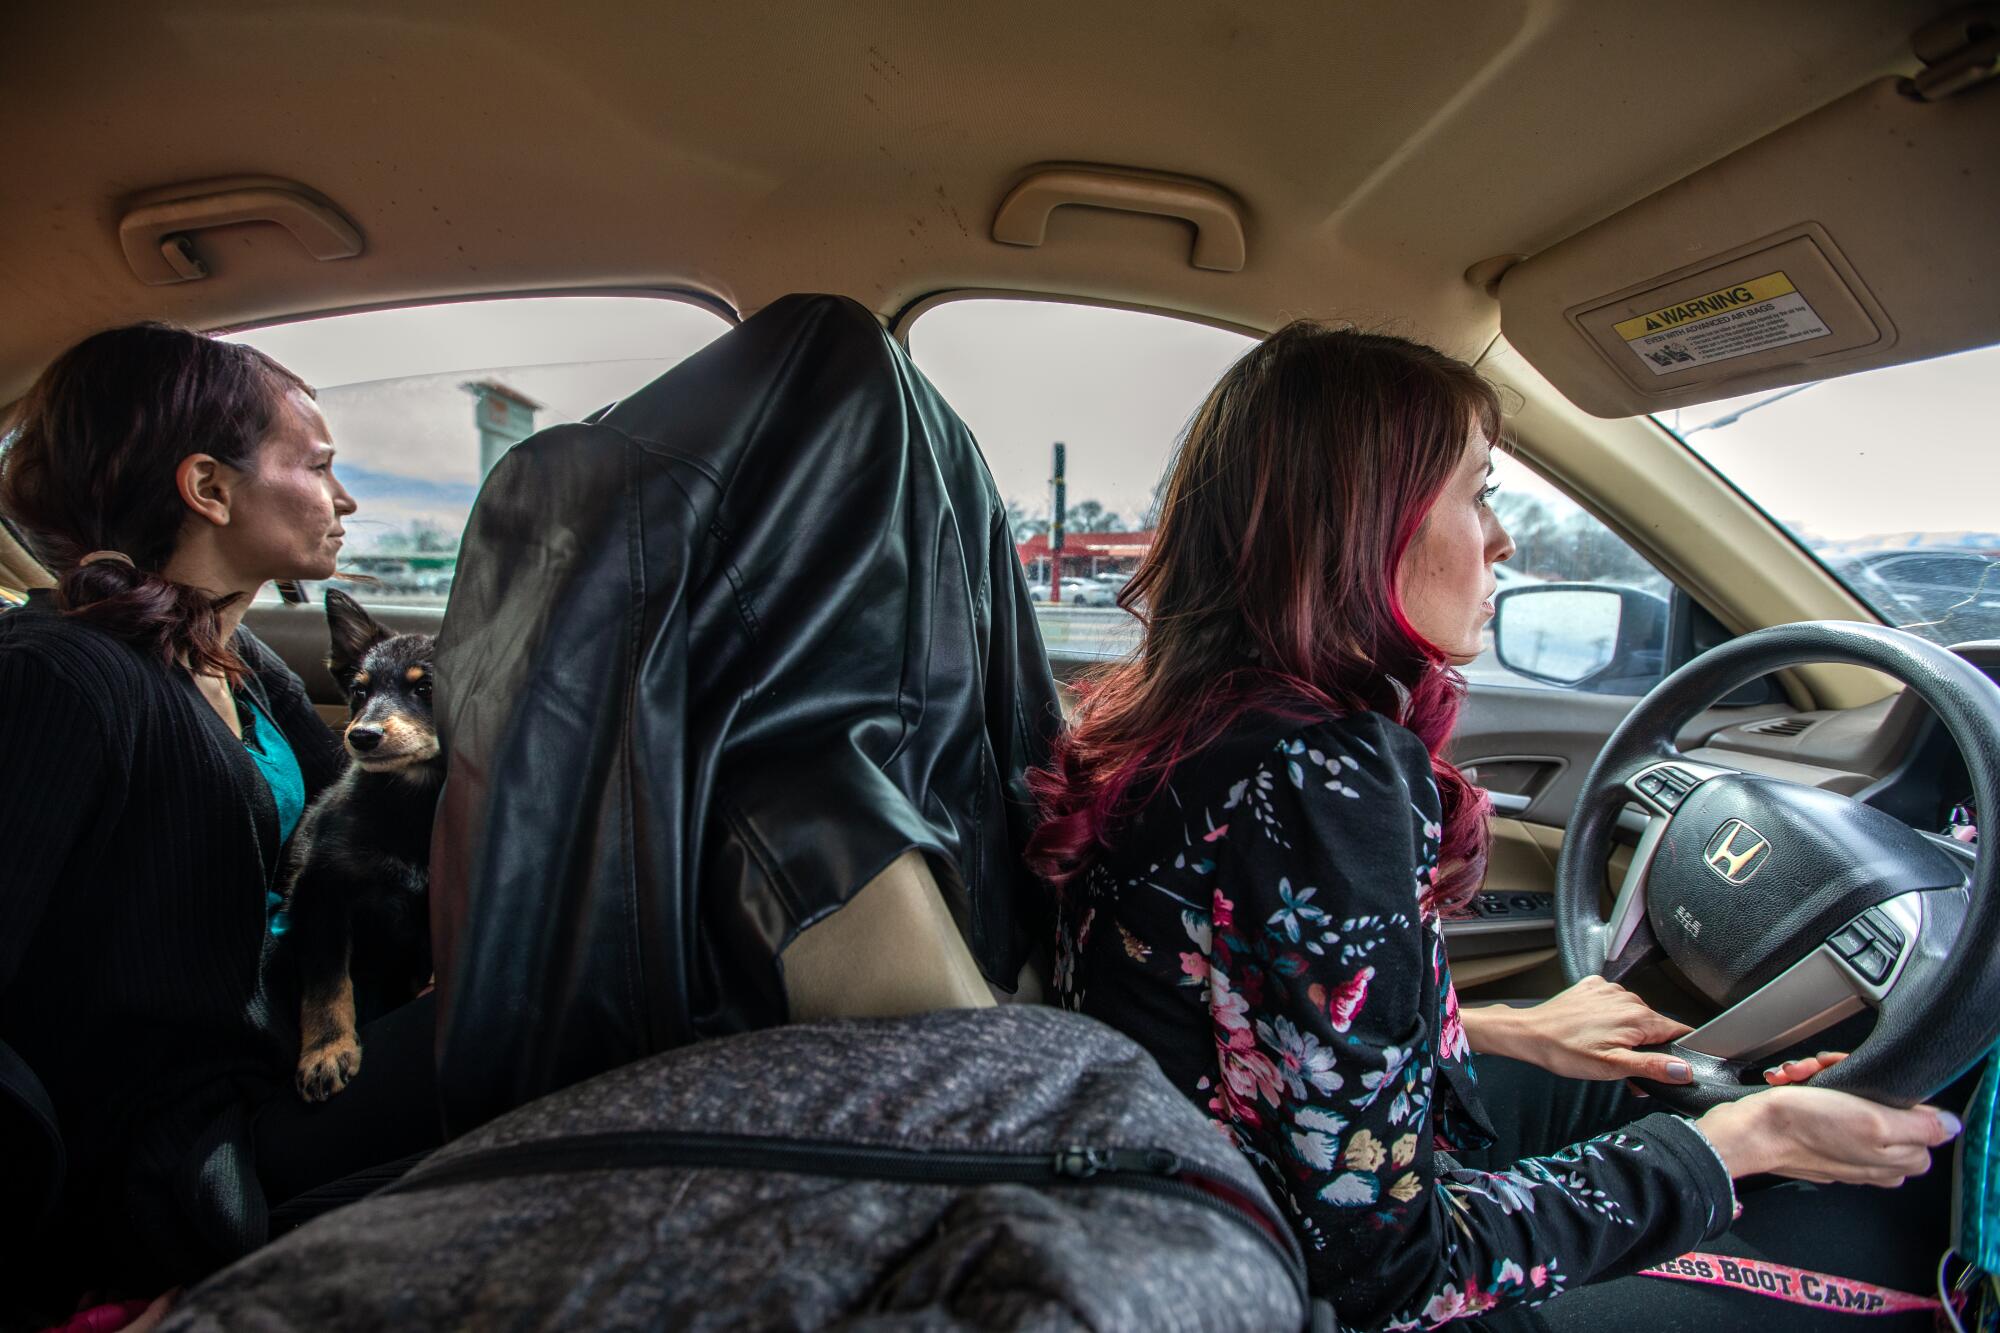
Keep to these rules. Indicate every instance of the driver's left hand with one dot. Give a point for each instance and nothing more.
(1589, 1031)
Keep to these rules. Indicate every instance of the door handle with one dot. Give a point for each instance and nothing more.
(1023, 218)
(155, 231)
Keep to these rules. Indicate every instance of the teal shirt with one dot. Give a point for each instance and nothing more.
(280, 768)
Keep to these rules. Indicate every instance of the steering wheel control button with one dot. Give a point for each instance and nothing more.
(1674, 785)
(1849, 942)
(1877, 923)
(1874, 964)
(1666, 786)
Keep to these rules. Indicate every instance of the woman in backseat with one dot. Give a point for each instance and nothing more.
(1253, 834)
(154, 758)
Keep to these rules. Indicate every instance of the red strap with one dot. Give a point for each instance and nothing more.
(102, 1318)
(1800, 1286)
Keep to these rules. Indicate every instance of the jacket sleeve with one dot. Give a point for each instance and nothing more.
(51, 792)
(1325, 999)
(314, 744)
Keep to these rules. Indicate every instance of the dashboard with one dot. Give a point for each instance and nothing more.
(1894, 754)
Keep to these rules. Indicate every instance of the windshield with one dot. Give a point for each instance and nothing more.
(1890, 477)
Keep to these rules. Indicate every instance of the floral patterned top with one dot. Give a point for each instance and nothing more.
(1257, 927)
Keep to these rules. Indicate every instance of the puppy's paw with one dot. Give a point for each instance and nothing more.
(328, 1067)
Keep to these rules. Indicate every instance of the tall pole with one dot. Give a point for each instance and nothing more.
(1061, 506)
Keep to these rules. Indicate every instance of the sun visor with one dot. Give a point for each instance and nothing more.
(1861, 235)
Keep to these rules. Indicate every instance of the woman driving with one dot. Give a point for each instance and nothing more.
(1254, 836)
(159, 757)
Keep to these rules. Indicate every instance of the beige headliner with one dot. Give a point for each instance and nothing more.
(749, 150)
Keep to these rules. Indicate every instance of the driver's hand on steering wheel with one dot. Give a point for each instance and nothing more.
(1830, 1137)
(1590, 1031)
(1798, 1071)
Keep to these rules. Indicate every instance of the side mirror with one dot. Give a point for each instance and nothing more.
(1600, 637)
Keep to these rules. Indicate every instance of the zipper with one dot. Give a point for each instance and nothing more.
(1150, 1170)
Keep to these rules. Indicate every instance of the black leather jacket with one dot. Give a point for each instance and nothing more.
(711, 662)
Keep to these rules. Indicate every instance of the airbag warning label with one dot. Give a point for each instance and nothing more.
(1753, 316)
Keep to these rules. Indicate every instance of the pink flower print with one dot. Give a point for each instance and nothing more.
(1451, 1041)
(1230, 1011)
(1194, 967)
(1224, 913)
(1451, 1304)
(1446, 1306)
(1346, 1002)
(1248, 1076)
(1538, 1276)
(1218, 831)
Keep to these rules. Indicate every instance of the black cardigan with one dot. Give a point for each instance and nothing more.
(137, 841)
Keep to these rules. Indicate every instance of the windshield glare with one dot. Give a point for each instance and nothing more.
(1890, 477)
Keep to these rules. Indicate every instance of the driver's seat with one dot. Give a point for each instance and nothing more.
(740, 687)
(892, 950)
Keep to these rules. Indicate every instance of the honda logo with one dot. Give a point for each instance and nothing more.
(1736, 851)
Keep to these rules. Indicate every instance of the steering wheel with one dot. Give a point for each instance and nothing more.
(1786, 906)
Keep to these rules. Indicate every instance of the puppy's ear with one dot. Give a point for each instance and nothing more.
(353, 632)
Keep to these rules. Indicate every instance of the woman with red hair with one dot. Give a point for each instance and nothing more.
(1253, 835)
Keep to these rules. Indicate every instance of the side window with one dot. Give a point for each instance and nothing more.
(422, 402)
(1577, 607)
(1113, 389)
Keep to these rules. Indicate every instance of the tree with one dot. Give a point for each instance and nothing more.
(1024, 525)
(1540, 547)
(431, 537)
(1091, 516)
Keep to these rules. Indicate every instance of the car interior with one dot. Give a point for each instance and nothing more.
(1579, 199)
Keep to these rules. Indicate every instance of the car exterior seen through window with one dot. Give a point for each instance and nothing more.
(1888, 477)
(423, 400)
(1116, 389)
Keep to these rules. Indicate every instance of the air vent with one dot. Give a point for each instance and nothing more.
(1782, 726)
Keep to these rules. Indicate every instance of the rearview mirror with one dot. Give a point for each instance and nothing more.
(1599, 637)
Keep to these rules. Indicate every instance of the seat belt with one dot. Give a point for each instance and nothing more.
(1798, 1286)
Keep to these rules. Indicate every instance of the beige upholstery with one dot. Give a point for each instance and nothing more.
(893, 950)
(17, 568)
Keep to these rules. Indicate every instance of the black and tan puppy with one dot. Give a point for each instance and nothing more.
(358, 897)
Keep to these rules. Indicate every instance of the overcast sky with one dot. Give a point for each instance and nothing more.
(1907, 449)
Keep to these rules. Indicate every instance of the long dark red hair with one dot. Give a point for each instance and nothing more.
(90, 463)
(1271, 585)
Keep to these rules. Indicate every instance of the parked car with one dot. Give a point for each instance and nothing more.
(1076, 592)
(1954, 589)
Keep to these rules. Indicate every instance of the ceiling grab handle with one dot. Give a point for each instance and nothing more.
(155, 232)
(1023, 218)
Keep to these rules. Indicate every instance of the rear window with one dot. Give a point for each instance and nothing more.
(423, 400)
